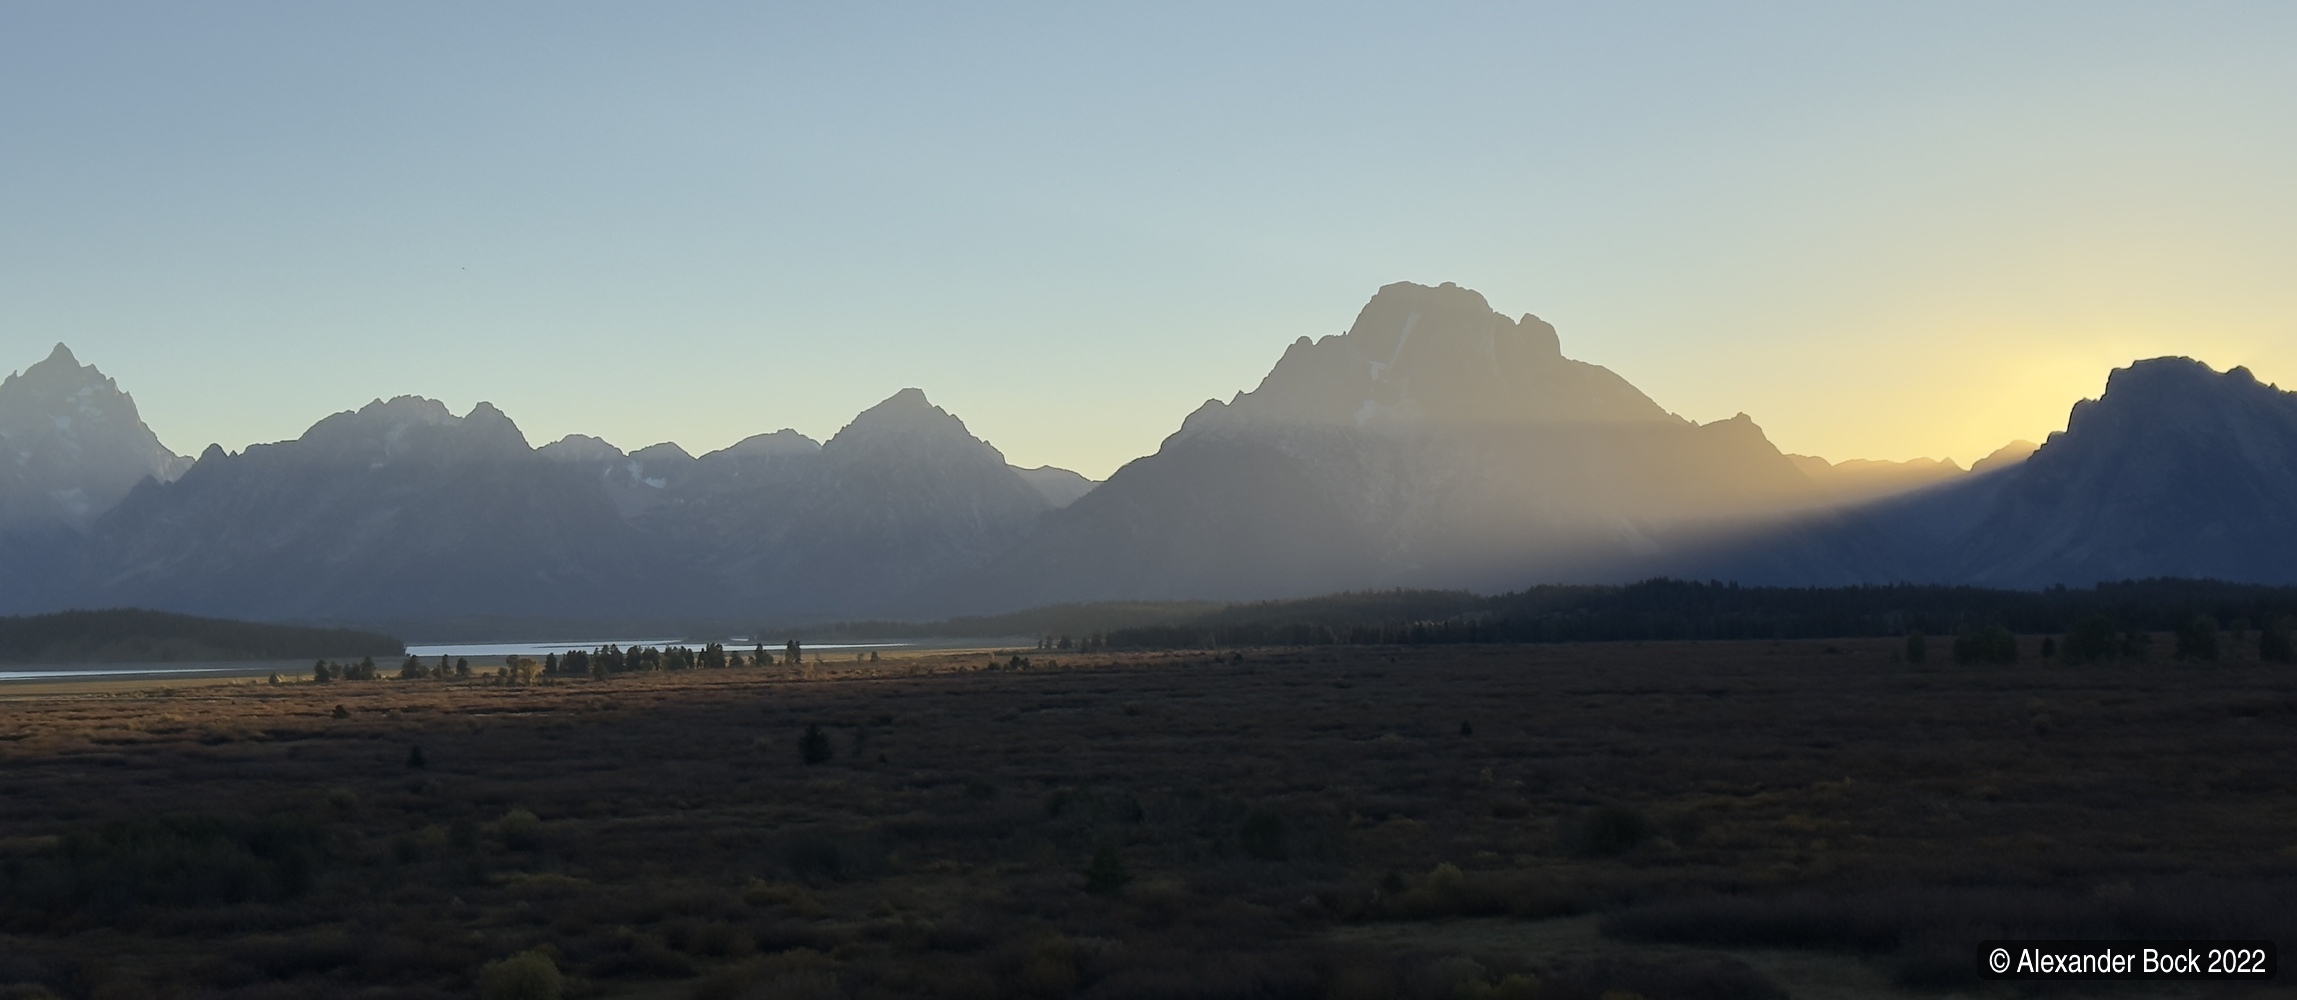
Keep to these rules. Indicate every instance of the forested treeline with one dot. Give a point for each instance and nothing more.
(1664, 609)
(128, 635)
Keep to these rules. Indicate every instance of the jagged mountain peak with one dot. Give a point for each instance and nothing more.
(384, 430)
(786, 441)
(2171, 396)
(667, 451)
(908, 407)
(908, 422)
(73, 444)
(580, 448)
(1418, 356)
(2174, 470)
(60, 375)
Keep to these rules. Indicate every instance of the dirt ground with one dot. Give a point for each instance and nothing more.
(1811, 819)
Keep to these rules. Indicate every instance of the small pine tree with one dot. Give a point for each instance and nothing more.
(1917, 647)
(814, 746)
(415, 758)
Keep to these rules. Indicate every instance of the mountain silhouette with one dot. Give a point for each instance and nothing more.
(2176, 470)
(403, 510)
(398, 509)
(1435, 443)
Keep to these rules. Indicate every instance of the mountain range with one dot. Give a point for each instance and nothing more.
(1435, 443)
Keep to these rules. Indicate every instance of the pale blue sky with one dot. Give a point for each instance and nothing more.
(1881, 231)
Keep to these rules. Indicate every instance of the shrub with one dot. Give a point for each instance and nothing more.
(814, 854)
(520, 830)
(2197, 639)
(2274, 643)
(1607, 831)
(1995, 644)
(176, 860)
(2094, 639)
(1447, 879)
(1107, 874)
(529, 975)
(814, 746)
(1262, 836)
(1917, 647)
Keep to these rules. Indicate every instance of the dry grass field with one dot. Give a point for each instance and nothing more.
(1720, 820)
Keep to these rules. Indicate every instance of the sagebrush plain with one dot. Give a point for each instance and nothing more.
(1734, 819)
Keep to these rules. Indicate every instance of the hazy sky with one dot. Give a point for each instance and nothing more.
(1882, 230)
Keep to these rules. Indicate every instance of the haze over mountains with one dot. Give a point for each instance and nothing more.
(1435, 443)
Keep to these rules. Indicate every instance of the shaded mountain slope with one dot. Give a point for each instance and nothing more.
(2174, 471)
(902, 495)
(1435, 444)
(398, 509)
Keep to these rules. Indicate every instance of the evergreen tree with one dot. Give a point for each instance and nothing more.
(1917, 647)
(814, 746)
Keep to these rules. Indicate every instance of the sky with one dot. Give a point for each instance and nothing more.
(1883, 231)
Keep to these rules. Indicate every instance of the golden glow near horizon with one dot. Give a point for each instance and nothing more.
(1880, 232)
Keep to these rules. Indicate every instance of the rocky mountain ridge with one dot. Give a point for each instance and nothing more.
(1435, 443)
(71, 446)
